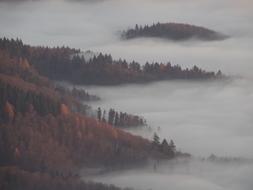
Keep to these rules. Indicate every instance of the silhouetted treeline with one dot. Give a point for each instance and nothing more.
(66, 64)
(226, 160)
(168, 149)
(120, 119)
(80, 94)
(173, 31)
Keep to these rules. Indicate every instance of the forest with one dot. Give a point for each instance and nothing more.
(120, 119)
(80, 94)
(173, 31)
(46, 137)
(64, 63)
(126, 95)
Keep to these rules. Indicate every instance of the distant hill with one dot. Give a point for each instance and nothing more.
(173, 31)
(68, 64)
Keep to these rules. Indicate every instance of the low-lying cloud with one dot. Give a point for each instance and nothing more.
(195, 174)
(201, 117)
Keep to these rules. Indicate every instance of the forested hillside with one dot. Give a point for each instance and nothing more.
(44, 137)
(63, 63)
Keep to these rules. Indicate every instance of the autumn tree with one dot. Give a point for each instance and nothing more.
(64, 110)
(9, 112)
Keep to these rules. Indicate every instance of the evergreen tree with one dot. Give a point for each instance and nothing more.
(116, 121)
(172, 147)
(156, 139)
(111, 116)
(99, 114)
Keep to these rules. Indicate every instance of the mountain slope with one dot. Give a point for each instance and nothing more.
(45, 140)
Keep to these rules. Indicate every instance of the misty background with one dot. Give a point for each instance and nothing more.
(95, 25)
(201, 117)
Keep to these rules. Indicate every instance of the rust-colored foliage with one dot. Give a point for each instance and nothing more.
(43, 138)
(9, 112)
(64, 109)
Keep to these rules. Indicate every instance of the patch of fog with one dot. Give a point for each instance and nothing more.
(194, 174)
(201, 117)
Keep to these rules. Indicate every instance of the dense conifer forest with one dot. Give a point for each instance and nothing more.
(64, 63)
(120, 119)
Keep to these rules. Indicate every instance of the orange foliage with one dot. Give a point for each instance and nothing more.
(9, 111)
(64, 109)
(24, 63)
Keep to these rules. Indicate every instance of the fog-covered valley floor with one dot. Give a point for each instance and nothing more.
(192, 174)
(201, 117)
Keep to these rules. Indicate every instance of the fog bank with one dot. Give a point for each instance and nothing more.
(185, 175)
(202, 117)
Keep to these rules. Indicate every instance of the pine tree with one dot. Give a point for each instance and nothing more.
(116, 121)
(111, 116)
(156, 139)
(172, 147)
(99, 114)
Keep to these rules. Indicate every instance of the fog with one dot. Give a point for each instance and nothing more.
(185, 174)
(201, 117)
